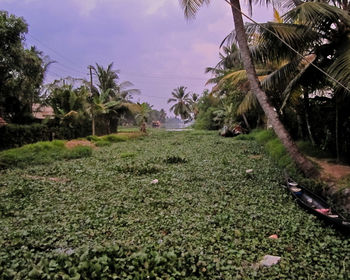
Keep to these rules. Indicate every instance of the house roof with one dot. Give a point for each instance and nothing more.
(42, 112)
(2, 122)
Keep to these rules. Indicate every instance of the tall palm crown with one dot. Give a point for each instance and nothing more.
(182, 107)
(107, 78)
(319, 31)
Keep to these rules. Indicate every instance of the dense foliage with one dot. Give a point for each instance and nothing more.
(312, 105)
(21, 70)
(105, 217)
(16, 135)
(13, 135)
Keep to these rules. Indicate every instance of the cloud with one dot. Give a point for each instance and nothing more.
(154, 6)
(85, 6)
(205, 49)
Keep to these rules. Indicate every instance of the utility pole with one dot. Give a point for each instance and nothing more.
(92, 103)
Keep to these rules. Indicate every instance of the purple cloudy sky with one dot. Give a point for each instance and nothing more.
(149, 40)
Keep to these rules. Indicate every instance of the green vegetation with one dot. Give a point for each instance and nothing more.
(273, 148)
(41, 153)
(47, 152)
(114, 138)
(104, 216)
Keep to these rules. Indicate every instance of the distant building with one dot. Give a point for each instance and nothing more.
(42, 112)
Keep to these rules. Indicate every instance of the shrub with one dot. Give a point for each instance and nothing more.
(41, 153)
(273, 147)
(245, 137)
(93, 138)
(313, 151)
(263, 136)
(114, 138)
(78, 152)
(102, 143)
(13, 135)
(205, 121)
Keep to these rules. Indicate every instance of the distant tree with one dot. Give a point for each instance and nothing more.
(143, 115)
(162, 116)
(208, 104)
(182, 107)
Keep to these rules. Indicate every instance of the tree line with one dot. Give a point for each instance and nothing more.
(292, 74)
(95, 106)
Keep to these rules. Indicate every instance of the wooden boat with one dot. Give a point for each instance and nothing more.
(317, 205)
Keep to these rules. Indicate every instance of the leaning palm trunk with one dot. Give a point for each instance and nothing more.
(301, 161)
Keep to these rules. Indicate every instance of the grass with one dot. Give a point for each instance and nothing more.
(273, 147)
(41, 153)
(47, 152)
(206, 218)
(312, 151)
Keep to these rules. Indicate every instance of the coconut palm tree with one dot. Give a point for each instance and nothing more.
(182, 107)
(109, 97)
(325, 43)
(108, 78)
(190, 8)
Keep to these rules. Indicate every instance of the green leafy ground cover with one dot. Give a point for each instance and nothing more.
(101, 217)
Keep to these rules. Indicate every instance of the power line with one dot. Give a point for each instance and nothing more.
(61, 67)
(289, 46)
(142, 75)
(60, 55)
(53, 50)
(163, 77)
(152, 96)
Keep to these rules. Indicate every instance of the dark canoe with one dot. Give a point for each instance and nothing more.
(317, 206)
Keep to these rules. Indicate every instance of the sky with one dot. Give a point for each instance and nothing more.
(149, 41)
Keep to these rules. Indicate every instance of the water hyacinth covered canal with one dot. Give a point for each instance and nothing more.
(172, 205)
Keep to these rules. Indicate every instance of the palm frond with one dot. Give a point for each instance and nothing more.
(191, 7)
(229, 39)
(249, 102)
(276, 16)
(316, 14)
(269, 48)
(303, 66)
(172, 100)
(280, 78)
(340, 68)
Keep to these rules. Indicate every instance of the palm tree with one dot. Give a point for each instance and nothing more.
(108, 78)
(182, 107)
(109, 98)
(190, 8)
(324, 42)
(162, 116)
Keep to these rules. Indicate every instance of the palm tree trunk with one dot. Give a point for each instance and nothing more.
(300, 126)
(301, 161)
(307, 119)
(337, 128)
(246, 122)
(93, 122)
